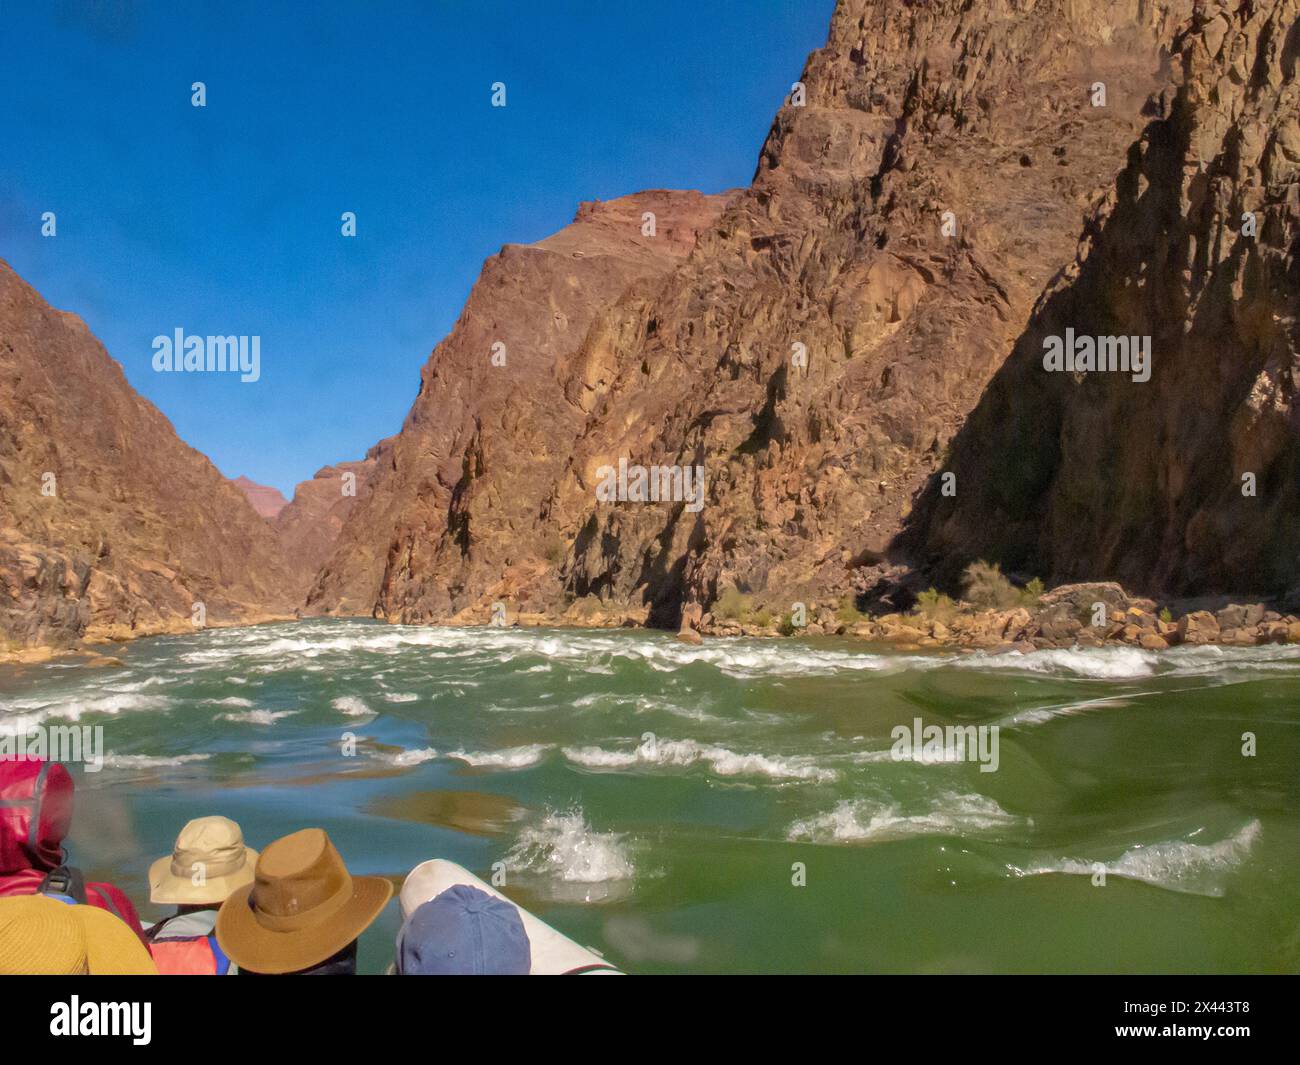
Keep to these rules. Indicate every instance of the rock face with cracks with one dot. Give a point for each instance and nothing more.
(110, 525)
(813, 342)
(456, 514)
(1190, 482)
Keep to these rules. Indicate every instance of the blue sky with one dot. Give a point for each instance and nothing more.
(226, 219)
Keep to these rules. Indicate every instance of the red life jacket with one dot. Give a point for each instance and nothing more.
(187, 955)
(35, 815)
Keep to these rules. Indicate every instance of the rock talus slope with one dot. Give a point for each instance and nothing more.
(110, 526)
(1197, 246)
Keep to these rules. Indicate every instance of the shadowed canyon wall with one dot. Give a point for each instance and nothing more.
(1188, 482)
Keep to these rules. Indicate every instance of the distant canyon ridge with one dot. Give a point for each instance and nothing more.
(850, 350)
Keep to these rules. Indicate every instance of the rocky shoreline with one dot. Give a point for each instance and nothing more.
(1091, 614)
(1074, 615)
(86, 647)
(1086, 615)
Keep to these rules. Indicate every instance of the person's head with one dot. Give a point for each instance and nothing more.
(35, 814)
(302, 910)
(41, 936)
(208, 862)
(464, 932)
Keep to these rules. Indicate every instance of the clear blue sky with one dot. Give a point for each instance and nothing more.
(225, 219)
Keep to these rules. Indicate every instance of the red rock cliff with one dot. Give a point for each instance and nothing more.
(679, 351)
(110, 526)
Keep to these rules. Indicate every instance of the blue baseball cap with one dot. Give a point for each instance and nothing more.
(464, 932)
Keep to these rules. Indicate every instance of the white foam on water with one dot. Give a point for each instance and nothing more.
(592, 651)
(137, 685)
(741, 658)
(867, 821)
(1211, 659)
(745, 659)
(563, 846)
(74, 709)
(645, 704)
(258, 717)
(1133, 663)
(1040, 715)
(1176, 865)
(1102, 663)
(400, 697)
(408, 758)
(233, 700)
(682, 753)
(599, 758)
(495, 708)
(352, 706)
(508, 758)
(149, 761)
(946, 756)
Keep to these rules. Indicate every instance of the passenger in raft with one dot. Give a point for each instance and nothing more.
(35, 817)
(303, 913)
(207, 863)
(44, 936)
(464, 932)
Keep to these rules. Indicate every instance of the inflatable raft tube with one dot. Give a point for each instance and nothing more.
(553, 953)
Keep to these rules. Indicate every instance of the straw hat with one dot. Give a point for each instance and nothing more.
(208, 862)
(41, 936)
(303, 906)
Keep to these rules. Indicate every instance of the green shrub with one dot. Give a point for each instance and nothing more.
(985, 587)
(731, 605)
(935, 606)
(847, 613)
(1165, 616)
(1031, 593)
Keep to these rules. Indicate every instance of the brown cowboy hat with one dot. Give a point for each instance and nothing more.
(302, 907)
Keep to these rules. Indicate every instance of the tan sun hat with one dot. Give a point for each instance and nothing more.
(302, 908)
(208, 862)
(41, 936)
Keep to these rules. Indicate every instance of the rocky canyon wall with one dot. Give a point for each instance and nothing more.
(1188, 482)
(902, 220)
(110, 525)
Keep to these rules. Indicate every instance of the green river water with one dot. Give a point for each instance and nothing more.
(657, 801)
